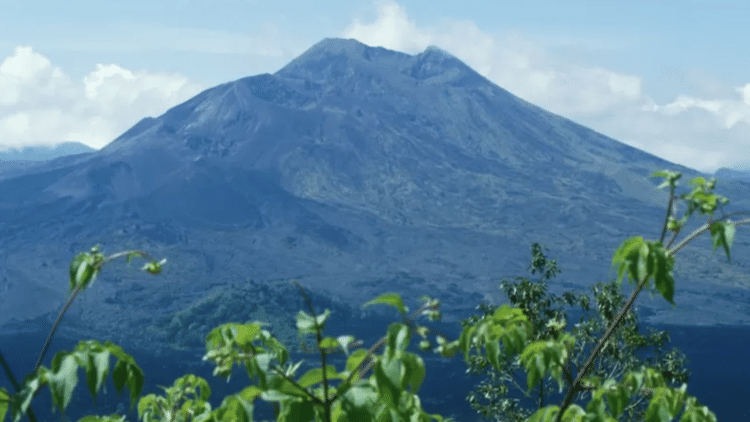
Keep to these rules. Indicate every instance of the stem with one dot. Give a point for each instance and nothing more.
(360, 370)
(573, 389)
(6, 367)
(312, 396)
(666, 218)
(319, 338)
(541, 393)
(62, 312)
(54, 327)
(70, 301)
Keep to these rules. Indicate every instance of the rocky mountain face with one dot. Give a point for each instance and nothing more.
(354, 170)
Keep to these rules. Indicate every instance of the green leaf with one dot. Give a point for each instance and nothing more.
(627, 256)
(387, 380)
(658, 409)
(63, 379)
(722, 234)
(315, 376)
(289, 388)
(546, 414)
(32, 384)
(154, 267)
(414, 371)
(132, 255)
(355, 359)
(493, 355)
(392, 299)
(234, 409)
(660, 265)
(328, 343)
(698, 181)
(250, 393)
(397, 339)
(4, 403)
(297, 412)
(127, 373)
(246, 334)
(75, 263)
(344, 342)
(617, 399)
(306, 324)
(96, 370)
(82, 271)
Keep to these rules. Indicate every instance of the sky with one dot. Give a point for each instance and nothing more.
(668, 77)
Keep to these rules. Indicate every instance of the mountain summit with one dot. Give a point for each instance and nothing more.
(353, 169)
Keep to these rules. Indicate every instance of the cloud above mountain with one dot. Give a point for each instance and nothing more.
(686, 129)
(40, 104)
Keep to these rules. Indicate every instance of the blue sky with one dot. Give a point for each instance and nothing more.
(669, 77)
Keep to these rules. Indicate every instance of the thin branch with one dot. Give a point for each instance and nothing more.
(705, 227)
(573, 389)
(666, 218)
(319, 338)
(362, 370)
(312, 396)
(620, 316)
(73, 296)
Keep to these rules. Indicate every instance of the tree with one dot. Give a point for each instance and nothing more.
(492, 398)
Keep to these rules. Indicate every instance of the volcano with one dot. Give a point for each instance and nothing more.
(355, 170)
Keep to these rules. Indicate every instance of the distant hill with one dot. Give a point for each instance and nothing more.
(14, 161)
(44, 152)
(733, 173)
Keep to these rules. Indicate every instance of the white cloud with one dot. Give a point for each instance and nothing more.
(40, 105)
(512, 61)
(697, 132)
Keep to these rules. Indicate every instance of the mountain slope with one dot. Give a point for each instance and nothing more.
(355, 170)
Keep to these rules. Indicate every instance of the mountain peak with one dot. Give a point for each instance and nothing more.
(334, 58)
(336, 54)
(337, 46)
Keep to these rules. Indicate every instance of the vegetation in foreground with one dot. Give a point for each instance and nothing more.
(381, 383)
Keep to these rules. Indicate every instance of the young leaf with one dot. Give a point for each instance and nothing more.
(722, 234)
(315, 376)
(392, 299)
(626, 257)
(306, 324)
(63, 380)
(355, 359)
(96, 370)
(415, 371)
(4, 402)
(387, 380)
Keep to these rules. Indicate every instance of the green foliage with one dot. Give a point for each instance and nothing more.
(549, 346)
(62, 377)
(528, 337)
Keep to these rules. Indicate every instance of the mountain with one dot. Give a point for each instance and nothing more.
(13, 161)
(355, 170)
(736, 174)
(44, 152)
